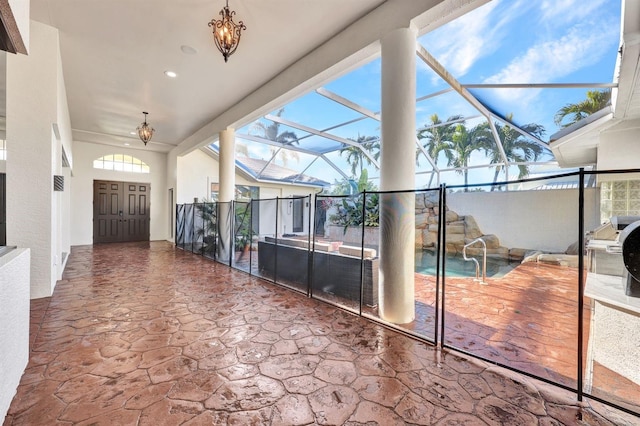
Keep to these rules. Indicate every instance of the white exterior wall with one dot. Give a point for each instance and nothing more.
(197, 170)
(36, 104)
(82, 188)
(618, 149)
(14, 323)
(541, 220)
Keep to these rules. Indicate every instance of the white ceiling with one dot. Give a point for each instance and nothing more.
(114, 54)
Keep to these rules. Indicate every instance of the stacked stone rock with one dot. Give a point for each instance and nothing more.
(460, 230)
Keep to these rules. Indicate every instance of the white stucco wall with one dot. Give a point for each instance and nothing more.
(197, 170)
(82, 188)
(618, 149)
(36, 105)
(14, 323)
(541, 220)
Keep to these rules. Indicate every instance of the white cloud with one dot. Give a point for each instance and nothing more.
(565, 11)
(549, 61)
(462, 42)
(459, 44)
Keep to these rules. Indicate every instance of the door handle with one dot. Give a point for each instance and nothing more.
(120, 213)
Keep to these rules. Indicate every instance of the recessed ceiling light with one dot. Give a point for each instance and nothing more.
(188, 50)
(133, 133)
(170, 74)
(127, 144)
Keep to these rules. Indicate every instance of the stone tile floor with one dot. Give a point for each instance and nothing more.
(526, 319)
(142, 333)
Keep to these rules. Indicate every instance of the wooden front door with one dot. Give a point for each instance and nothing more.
(120, 211)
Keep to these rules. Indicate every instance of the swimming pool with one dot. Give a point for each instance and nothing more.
(458, 267)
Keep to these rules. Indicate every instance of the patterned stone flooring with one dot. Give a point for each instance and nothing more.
(526, 319)
(146, 334)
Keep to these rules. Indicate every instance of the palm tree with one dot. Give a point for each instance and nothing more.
(596, 100)
(272, 132)
(438, 136)
(355, 154)
(463, 143)
(517, 148)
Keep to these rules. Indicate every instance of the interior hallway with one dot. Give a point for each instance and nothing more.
(143, 333)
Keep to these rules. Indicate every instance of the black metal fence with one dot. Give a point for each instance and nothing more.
(530, 314)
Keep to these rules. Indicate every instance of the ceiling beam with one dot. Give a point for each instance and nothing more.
(523, 132)
(332, 164)
(455, 84)
(292, 148)
(434, 94)
(316, 132)
(258, 139)
(368, 113)
(349, 104)
(345, 123)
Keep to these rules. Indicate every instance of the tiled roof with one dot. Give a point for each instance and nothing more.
(277, 173)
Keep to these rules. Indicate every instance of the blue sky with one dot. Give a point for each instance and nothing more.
(503, 41)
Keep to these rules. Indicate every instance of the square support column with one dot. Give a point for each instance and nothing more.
(227, 182)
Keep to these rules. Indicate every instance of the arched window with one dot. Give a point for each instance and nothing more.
(121, 163)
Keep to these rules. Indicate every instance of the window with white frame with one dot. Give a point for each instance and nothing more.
(121, 163)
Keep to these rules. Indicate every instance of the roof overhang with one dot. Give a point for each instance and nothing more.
(577, 145)
(626, 99)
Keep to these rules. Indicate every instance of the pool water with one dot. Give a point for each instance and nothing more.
(457, 267)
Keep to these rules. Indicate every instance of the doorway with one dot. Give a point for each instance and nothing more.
(120, 211)
(298, 214)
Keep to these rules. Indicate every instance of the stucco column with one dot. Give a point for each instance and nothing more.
(397, 172)
(34, 104)
(226, 194)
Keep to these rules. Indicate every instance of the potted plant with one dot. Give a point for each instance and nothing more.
(243, 234)
(207, 232)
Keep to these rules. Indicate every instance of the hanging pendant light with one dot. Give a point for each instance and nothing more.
(145, 132)
(226, 33)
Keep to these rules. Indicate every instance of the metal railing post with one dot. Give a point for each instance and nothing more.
(364, 213)
(232, 224)
(250, 235)
(310, 247)
(442, 251)
(275, 245)
(580, 280)
(193, 223)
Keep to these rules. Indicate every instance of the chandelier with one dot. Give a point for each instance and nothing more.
(145, 132)
(226, 33)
